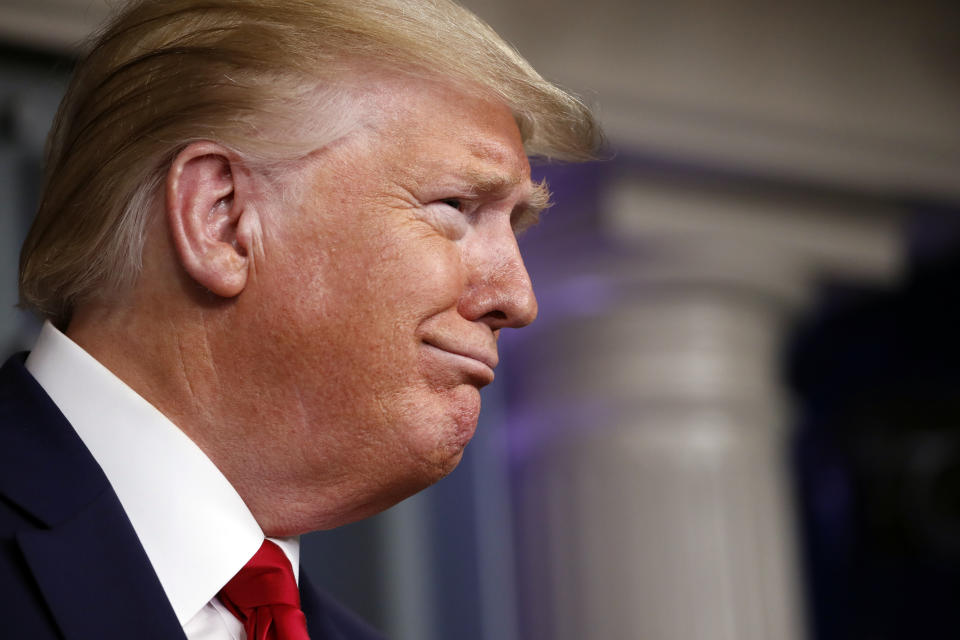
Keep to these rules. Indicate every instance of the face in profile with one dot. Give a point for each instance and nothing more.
(385, 285)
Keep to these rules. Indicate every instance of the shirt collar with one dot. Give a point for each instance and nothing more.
(195, 528)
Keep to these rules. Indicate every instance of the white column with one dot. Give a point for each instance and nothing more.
(656, 499)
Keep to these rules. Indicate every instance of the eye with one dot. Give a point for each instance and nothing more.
(455, 203)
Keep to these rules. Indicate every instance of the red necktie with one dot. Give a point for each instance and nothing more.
(264, 597)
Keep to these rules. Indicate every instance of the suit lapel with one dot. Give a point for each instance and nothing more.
(327, 619)
(96, 577)
(83, 551)
(318, 624)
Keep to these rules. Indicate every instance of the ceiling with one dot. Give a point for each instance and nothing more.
(855, 93)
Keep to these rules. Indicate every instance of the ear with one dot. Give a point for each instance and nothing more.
(206, 198)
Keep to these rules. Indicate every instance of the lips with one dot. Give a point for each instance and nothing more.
(471, 357)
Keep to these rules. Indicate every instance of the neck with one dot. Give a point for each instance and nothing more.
(181, 363)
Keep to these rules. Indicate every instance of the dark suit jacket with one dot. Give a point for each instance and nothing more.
(71, 565)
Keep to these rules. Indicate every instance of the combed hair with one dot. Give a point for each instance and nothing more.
(261, 77)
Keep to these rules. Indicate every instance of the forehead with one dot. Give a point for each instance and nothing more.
(445, 128)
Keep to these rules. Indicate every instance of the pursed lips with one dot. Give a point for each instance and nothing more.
(486, 357)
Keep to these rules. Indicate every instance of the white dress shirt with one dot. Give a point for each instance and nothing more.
(195, 528)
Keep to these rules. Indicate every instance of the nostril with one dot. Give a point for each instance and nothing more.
(499, 315)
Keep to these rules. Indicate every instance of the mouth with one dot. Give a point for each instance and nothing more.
(478, 363)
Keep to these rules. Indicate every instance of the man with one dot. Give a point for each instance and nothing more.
(275, 249)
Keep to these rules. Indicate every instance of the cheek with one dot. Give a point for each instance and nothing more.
(432, 278)
(413, 275)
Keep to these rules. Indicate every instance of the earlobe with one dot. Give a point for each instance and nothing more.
(205, 201)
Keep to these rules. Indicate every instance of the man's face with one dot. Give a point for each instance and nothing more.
(385, 285)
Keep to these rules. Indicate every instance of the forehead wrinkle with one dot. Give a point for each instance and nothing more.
(499, 174)
(499, 165)
(496, 152)
(492, 182)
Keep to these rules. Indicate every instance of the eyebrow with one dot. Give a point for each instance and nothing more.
(527, 212)
(490, 183)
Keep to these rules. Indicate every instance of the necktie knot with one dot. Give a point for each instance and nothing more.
(265, 598)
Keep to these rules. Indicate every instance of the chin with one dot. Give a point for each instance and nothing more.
(443, 459)
(463, 419)
(450, 430)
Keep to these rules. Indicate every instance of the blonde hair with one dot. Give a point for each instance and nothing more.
(259, 76)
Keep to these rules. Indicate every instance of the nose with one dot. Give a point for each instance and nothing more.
(499, 292)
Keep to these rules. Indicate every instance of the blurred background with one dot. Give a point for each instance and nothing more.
(738, 416)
